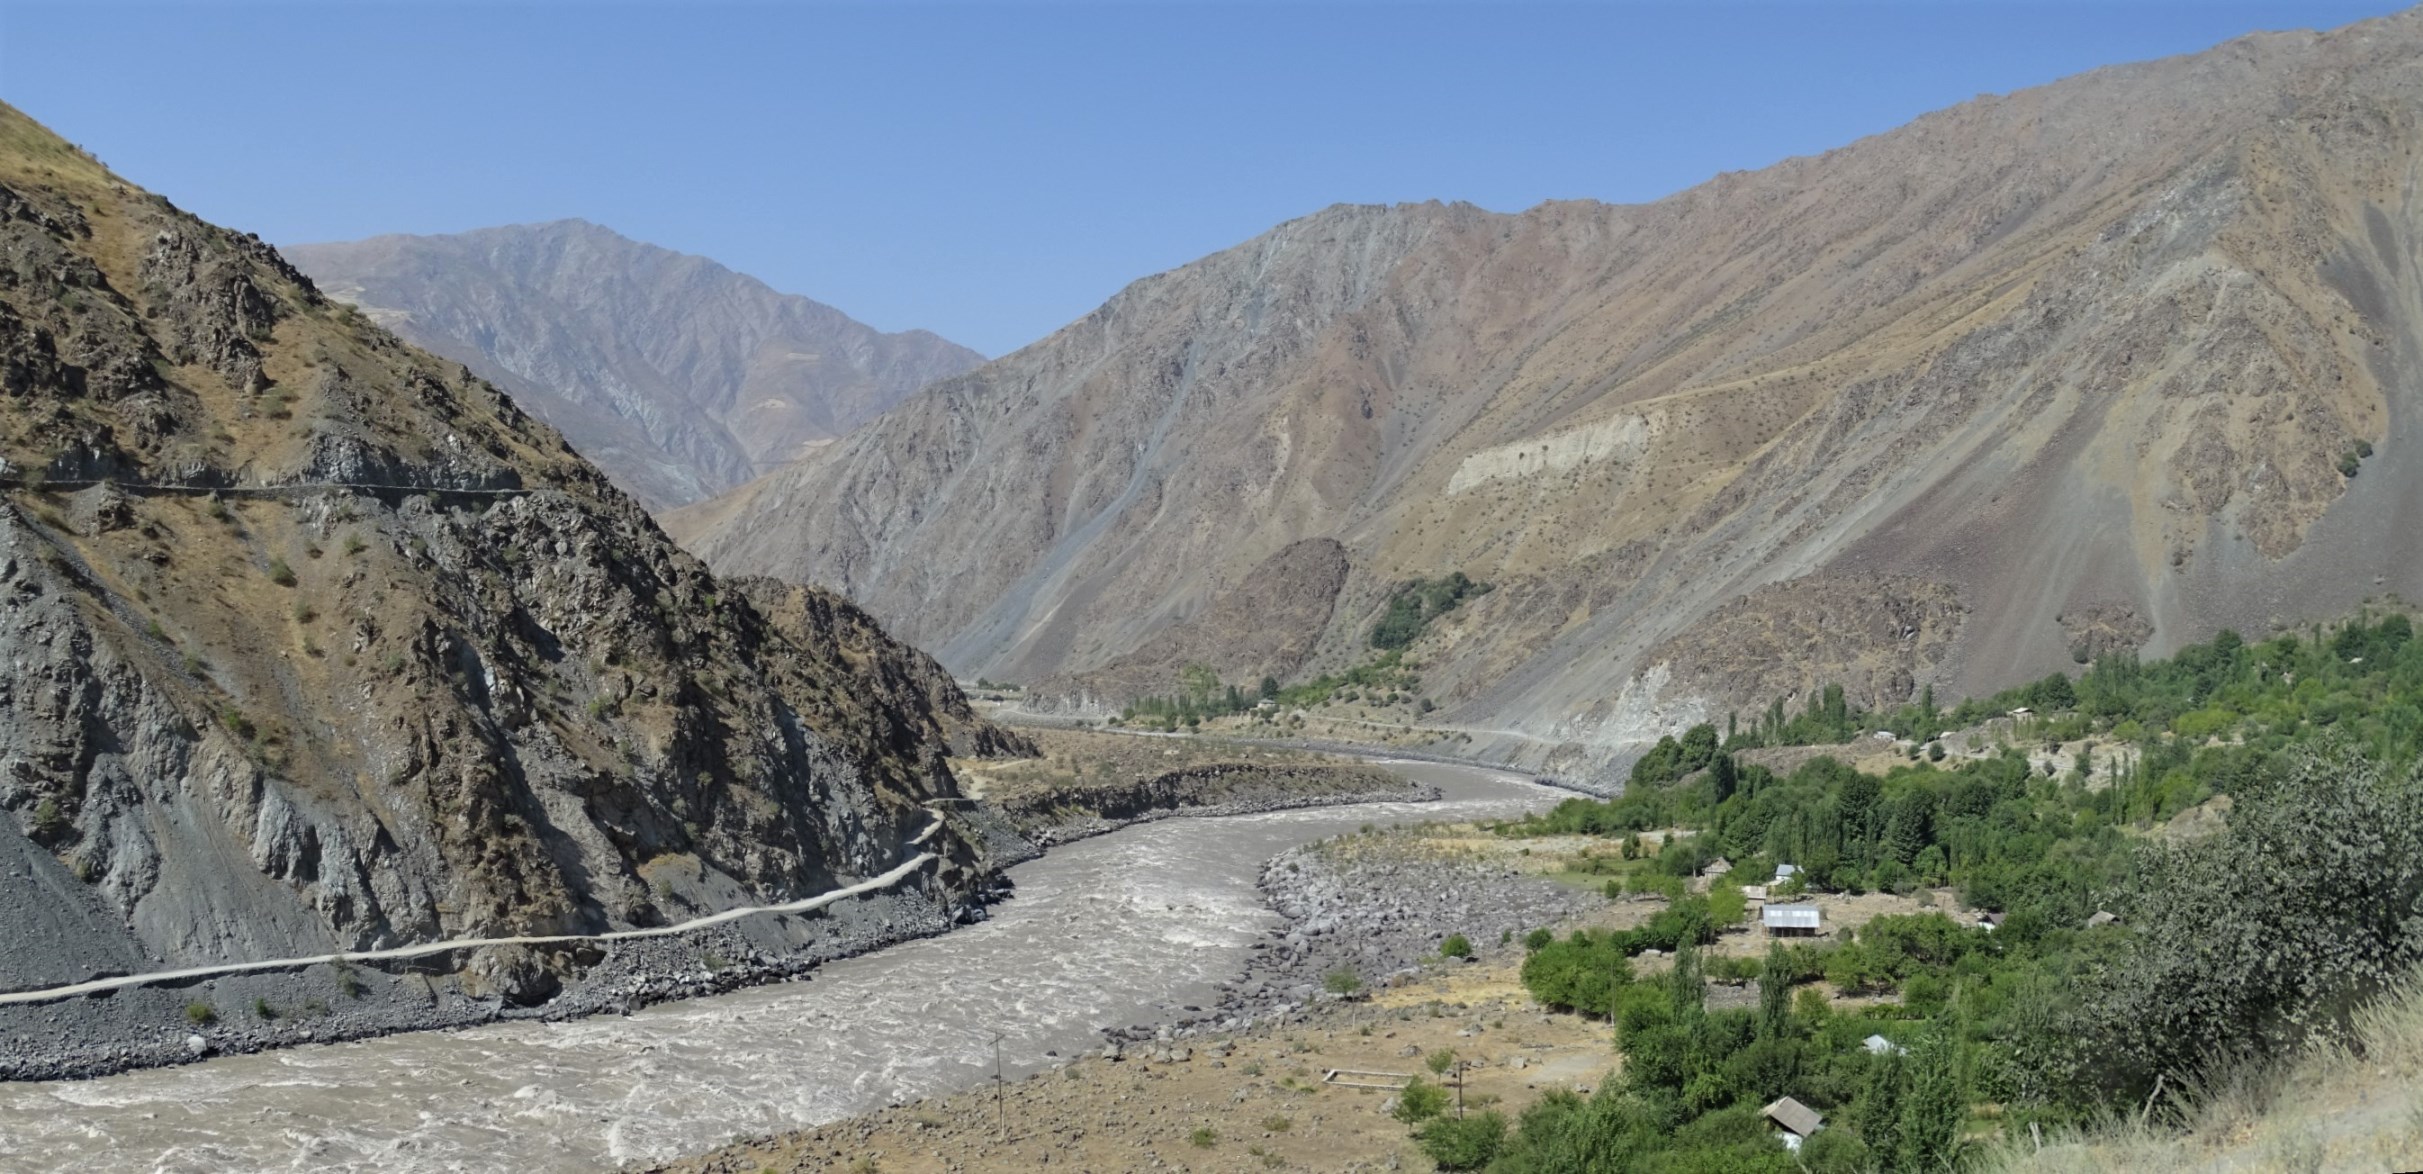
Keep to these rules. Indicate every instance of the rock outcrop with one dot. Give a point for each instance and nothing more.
(677, 376)
(318, 642)
(2139, 342)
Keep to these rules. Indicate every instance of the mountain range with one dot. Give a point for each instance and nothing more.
(2098, 366)
(677, 376)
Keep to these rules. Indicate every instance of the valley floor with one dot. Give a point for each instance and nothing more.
(1254, 1099)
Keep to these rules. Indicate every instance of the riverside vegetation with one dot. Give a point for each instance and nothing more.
(1387, 677)
(2237, 943)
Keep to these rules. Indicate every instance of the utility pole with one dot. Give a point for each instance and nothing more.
(1459, 1089)
(1000, 1106)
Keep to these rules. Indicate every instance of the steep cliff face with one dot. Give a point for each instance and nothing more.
(2102, 348)
(318, 642)
(677, 376)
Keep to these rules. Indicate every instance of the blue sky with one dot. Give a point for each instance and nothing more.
(992, 172)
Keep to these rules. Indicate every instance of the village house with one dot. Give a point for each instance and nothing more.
(1791, 921)
(1794, 1122)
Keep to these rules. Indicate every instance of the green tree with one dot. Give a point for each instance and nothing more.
(1775, 994)
(1419, 1101)
(1881, 1103)
(1200, 683)
(1463, 1143)
(1938, 1102)
(2245, 943)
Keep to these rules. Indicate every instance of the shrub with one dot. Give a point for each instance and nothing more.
(262, 1009)
(280, 573)
(1204, 1137)
(199, 1014)
(2250, 941)
(1463, 1143)
(49, 821)
(1456, 946)
(1439, 1061)
(1537, 939)
(354, 545)
(1419, 1102)
(1726, 904)
(1277, 1124)
(1342, 981)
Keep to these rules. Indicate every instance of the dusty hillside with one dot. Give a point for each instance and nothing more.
(679, 377)
(317, 642)
(2094, 349)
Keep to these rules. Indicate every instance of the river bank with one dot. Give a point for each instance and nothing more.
(1138, 927)
(1087, 783)
(1244, 1088)
(182, 1021)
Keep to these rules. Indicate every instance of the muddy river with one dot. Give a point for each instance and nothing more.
(1121, 929)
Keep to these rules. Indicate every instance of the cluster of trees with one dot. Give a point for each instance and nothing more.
(1694, 1080)
(2231, 949)
(1415, 603)
(1384, 679)
(1586, 971)
(1201, 695)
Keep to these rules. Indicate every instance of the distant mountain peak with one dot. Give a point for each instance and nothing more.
(678, 375)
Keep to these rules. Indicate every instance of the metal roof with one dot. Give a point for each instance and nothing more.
(1790, 917)
(1795, 1116)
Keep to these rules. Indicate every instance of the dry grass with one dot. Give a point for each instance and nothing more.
(2338, 1109)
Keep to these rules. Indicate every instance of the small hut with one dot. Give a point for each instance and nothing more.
(1794, 1121)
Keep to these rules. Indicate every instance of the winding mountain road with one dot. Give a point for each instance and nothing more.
(806, 904)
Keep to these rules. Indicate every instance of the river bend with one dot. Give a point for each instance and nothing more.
(1120, 929)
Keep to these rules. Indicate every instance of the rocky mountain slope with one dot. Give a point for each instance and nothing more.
(677, 376)
(2123, 358)
(317, 642)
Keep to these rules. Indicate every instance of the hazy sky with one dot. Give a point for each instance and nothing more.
(993, 171)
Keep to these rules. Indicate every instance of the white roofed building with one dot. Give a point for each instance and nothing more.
(1791, 921)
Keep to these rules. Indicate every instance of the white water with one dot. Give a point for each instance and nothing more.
(1115, 930)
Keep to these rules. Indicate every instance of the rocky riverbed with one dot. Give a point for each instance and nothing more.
(1246, 1085)
(1375, 907)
